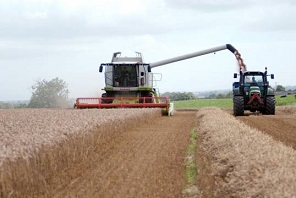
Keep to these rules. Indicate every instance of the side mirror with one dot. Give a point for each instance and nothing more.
(149, 68)
(235, 75)
(272, 76)
(100, 68)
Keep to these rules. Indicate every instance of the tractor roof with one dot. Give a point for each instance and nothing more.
(253, 73)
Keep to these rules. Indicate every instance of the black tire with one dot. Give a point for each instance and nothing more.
(150, 100)
(270, 106)
(238, 105)
(104, 95)
(106, 101)
(148, 97)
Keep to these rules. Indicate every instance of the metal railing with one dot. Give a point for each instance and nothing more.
(122, 102)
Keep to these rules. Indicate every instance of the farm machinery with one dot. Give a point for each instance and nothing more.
(129, 82)
(253, 93)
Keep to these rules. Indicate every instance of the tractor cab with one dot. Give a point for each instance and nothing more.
(253, 83)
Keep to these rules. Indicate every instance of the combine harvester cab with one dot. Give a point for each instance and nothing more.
(129, 84)
(253, 93)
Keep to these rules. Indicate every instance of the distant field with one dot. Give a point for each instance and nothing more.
(289, 100)
(225, 103)
(200, 103)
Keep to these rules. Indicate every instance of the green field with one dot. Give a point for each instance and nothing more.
(289, 100)
(200, 103)
(225, 103)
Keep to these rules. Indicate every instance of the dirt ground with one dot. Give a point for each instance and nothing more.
(281, 127)
(144, 162)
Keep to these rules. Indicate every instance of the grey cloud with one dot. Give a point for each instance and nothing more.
(22, 22)
(251, 15)
(16, 24)
(207, 5)
(223, 5)
(274, 19)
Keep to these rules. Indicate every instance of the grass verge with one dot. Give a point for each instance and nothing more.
(191, 170)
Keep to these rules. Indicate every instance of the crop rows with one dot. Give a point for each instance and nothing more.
(40, 145)
(250, 163)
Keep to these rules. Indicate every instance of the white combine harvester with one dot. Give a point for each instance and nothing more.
(129, 82)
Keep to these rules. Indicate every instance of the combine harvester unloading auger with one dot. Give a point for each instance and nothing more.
(129, 82)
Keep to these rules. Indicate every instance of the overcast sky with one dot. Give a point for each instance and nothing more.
(44, 39)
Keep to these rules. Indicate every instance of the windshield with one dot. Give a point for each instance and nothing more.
(125, 76)
(249, 79)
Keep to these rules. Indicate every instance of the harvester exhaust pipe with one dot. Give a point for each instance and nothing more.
(200, 53)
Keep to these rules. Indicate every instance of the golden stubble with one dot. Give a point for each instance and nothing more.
(250, 163)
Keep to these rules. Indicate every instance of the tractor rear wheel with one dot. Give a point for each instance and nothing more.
(270, 106)
(238, 105)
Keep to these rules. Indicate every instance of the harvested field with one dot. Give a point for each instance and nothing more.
(137, 154)
(244, 161)
(281, 127)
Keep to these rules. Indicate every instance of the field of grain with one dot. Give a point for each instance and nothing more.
(40, 146)
(139, 153)
(246, 161)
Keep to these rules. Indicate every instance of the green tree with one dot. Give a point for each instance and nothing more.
(211, 96)
(219, 96)
(280, 88)
(5, 105)
(49, 94)
(229, 95)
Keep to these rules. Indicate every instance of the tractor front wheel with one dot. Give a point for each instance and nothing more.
(270, 106)
(238, 105)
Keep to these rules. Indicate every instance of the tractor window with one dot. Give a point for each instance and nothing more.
(249, 79)
(125, 76)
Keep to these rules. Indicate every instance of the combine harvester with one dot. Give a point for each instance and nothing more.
(130, 82)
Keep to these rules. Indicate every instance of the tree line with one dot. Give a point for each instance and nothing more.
(177, 96)
(55, 94)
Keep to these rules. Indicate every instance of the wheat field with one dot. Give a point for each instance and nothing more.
(38, 146)
(251, 163)
(45, 152)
